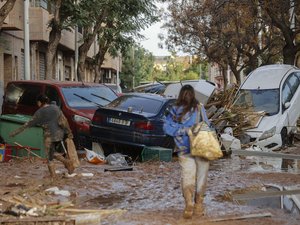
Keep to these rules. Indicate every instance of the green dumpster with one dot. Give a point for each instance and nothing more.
(31, 137)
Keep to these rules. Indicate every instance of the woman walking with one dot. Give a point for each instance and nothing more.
(194, 170)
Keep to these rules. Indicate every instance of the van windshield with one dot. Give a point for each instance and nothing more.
(259, 100)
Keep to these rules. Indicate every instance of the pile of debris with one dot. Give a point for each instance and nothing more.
(231, 120)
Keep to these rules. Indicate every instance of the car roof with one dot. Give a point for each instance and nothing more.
(57, 83)
(147, 95)
(144, 86)
(267, 77)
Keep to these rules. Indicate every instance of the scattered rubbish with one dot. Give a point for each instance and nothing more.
(115, 169)
(5, 153)
(17, 177)
(22, 210)
(102, 212)
(87, 174)
(56, 191)
(94, 158)
(117, 159)
(230, 142)
(96, 147)
(28, 150)
(161, 167)
(86, 218)
(72, 153)
(242, 217)
(70, 175)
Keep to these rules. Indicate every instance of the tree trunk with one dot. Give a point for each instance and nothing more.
(289, 54)
(82, 51)
(99, 61)
(54, 39)
(236, 74)
(5, 10)
(225, 79)
(89, 38)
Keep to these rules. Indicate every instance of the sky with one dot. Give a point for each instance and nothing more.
(151, 39)
(151, 36)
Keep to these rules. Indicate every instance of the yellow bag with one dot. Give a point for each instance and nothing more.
(204, 141)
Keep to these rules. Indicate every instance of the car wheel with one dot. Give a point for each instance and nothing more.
(284, 137)
(291, 139)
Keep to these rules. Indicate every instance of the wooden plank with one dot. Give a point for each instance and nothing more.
(28, 150)
(37, 219)
(264, 194)
(265, 154)
(98, 211)
(249, 216)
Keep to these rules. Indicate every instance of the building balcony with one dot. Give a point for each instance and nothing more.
(15, 19)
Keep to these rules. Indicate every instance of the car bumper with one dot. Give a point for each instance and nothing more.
(269, 144)
(104, 135)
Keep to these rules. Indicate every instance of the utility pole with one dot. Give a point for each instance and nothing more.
(133, 66)
(293, 22)
(26, 41)
(259, 33)
(118, 69)
(76, 53)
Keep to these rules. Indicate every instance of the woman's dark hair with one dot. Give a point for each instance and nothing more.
(187, 99)
(43, 99)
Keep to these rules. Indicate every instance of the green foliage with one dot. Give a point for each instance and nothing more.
(176, 69)
(137, 66)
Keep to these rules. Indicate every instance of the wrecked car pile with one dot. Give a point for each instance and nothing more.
(264, 111)
(230, 120)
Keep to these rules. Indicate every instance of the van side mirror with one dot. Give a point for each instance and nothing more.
(287, 105)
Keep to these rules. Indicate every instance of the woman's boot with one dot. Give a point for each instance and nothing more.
(198, 207)
(67, 163)
(188, 194)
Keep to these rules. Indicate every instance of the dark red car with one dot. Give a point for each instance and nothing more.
(77, 100)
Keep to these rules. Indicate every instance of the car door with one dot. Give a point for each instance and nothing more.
(291, 94)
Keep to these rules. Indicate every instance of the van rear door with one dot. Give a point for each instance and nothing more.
(20, 98)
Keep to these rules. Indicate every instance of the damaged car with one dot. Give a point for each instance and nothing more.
(133, 119)
(273, 93)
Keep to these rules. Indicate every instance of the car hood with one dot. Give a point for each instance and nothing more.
(264, 124)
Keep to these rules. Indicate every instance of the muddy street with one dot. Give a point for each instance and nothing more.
(151, 194)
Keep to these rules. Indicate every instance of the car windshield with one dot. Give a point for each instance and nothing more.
(114, 87)
(87, 96)
(259, 100)
(137, 103)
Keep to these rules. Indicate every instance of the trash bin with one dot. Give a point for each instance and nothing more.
(31, 137)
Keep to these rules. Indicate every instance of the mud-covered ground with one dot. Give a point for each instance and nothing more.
(150, 194)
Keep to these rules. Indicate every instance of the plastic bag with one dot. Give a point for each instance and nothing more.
(117, 159)
(94, 158)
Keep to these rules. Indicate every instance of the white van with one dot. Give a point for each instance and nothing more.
(275, 90)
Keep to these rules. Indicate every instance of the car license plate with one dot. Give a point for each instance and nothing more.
(119, 121)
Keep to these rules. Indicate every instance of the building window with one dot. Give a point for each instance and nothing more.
(39, 3)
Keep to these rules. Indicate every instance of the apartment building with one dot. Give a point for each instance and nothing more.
(12, 48)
